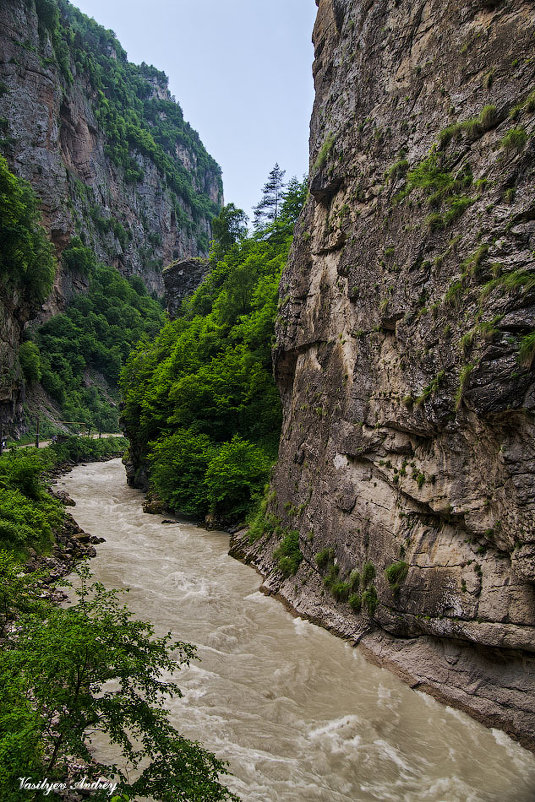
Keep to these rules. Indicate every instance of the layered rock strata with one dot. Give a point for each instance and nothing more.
(405, 352)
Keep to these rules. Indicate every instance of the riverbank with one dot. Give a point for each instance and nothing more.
(34, 523)
(454, 672)
(41, 544)
(72, 543)
(300, 715)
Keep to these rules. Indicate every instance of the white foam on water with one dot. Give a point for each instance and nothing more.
(258, 597)
(334, 726)
(339, 736)
(301, 626)
(187, 586)
(192, 694)
(520, 758)
(451, 789)
(392, 753)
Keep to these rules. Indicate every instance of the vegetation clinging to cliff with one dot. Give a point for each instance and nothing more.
(27, 264)
(200, 401)
(82, 350)
(134, 110)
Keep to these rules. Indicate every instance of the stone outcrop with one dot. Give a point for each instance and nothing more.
(405, 351)
(181, 278)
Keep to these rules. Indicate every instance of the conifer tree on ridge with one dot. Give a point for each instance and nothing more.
(267, 211)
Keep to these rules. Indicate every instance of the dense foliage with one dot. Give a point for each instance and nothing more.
(29, 516)
(132, 108)
(27, 263)
(200, 401)
(66, 672)
(91, 667)
(78, 354)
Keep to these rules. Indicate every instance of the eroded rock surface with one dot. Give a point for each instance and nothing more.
(54, 139)
(405, 350)
(181, 278)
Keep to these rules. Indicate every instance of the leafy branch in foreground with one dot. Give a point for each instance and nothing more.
(91, 668)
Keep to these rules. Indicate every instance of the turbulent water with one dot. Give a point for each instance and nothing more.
(299, 714)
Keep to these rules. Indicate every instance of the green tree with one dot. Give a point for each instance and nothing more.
(235, 475)
(268, 209)
(95, 333)
(228, 228)
(48, 13)
(294, 197)
(19, 592)
(178, 467)
(209, 374)
(93, 668)
(30, 361)
(79, 258)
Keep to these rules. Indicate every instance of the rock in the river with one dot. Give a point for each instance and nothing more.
(153, 505)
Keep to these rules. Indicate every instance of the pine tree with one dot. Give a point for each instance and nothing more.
(268, 210)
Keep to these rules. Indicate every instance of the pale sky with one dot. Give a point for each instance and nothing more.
(240, 69)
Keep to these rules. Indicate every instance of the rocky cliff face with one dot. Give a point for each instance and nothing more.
(181, 278)
(105, 147)
(405, 350)
(58, 137)
(13, 315)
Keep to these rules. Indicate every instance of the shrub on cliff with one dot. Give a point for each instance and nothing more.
(289, 555)
(30, 362)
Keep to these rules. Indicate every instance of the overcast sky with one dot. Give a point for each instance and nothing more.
(240, 69)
